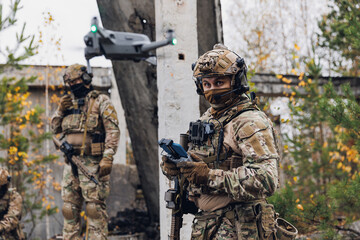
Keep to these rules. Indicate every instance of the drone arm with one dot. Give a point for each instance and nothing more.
(154, 45)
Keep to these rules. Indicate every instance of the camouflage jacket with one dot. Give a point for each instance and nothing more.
(10, 215)
(101, 119)
(249, 170)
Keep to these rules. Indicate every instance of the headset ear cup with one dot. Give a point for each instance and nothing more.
(87, 78)
(240, 62)
(199, 88)
(238, 80)
(193, 66)
(199, 92)
(240, 85)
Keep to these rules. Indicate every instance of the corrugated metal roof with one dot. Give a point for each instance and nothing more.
(273, 86)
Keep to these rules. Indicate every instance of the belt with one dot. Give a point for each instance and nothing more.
(230, 211)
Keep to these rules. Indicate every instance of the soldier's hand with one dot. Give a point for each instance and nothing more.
(105, 166)
(65, 102)
(168, 167)
(195, 172)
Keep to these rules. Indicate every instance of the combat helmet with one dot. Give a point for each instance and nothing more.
(221, 62)
(4, 177)
(76, 71)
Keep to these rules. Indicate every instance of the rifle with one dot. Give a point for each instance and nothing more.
(177, 198)
(74, 161)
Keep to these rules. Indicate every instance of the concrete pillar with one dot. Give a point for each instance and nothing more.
(177, 99)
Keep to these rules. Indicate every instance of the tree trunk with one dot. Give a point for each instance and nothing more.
(209, 28)
(138, 92)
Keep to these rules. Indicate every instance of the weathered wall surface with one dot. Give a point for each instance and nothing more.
(178, 102)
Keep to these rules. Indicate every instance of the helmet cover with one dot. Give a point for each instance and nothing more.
(221, 62)
(73, 72)
(217, 62)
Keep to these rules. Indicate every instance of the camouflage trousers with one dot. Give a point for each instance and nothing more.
(15, 234)
(234, 222)
(77, 190)
(206, 227)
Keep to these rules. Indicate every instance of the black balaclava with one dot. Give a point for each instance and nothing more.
(79, 90)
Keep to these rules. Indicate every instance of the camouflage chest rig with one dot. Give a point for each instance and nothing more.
(16, 233)
(83, 127)
(213, 151)
(252, 220)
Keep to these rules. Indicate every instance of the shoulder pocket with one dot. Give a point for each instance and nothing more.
(250, 128)
(110, 114)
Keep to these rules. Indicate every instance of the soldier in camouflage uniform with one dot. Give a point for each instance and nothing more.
(230, 185)
(89, 122)
(10, 209)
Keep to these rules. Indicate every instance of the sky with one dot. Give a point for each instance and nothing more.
(62, 38)
(71, 22)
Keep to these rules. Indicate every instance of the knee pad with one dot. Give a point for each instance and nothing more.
(93, 210)
(70, 211)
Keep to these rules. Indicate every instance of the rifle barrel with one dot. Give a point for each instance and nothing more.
(56, 142)
(176, 224)
(76, 163)
(84, 170)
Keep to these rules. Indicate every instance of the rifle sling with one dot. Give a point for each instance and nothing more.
(85, 130)
(212, 158)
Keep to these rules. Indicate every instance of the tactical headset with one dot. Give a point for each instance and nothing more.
(239, 87)
(86, 77)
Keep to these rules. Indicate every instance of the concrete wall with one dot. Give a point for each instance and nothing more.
(177, 99)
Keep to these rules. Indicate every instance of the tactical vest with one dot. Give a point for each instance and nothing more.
(227, 158)
(4, 203)
(85, 116)
(75, 118)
